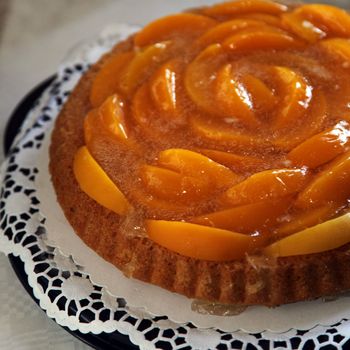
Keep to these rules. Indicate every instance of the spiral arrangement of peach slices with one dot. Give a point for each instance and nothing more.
(231, 127)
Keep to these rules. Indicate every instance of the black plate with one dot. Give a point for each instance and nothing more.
(103, 341)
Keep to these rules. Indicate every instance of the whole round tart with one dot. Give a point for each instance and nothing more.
(209, 153)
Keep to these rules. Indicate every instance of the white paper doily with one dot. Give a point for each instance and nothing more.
(64, 288)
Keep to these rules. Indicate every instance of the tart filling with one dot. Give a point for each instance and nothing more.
(231, 127)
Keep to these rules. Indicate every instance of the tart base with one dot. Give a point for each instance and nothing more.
(251, 281)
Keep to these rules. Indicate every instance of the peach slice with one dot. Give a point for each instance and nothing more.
(142, 65)
(320, 238)
(331, 19)
(106, 81)
(306, 219)
(163, 87)
(234, 8)
(271, 20)
(323, 147)
(260, 39)
(337, 47)
(93, 180)
(226, 137)
(233, 161)
(312, 125)
(330, 185)
(112, 116)
(144, 111)
(298, 95)
(247, 218)
(167, 27)
(233, 98)
(265, 185)
(302, 28)
(199, 242)
(194, 164)
(311, 67)
(199, 82)
(143, 107)
(220, 32)
(262, 96)
(157, 207)
(168, 184)
(108, 118)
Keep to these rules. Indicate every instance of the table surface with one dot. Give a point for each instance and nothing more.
(32, 44)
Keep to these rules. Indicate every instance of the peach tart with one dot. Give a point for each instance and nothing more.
(209, 153)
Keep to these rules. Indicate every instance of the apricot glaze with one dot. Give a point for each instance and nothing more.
(231, 131)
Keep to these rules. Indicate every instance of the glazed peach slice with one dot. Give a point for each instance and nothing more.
(271, 20)
(93, 180)
(329, 235)
(306, 219)
(234, 8)
(337, 47)
(144, 113)
(302, 28)
(233, 161)
(165, 28)
(262, 96)
(329, 186)
(112, 115)
(156, 207)
(143, 107)
(297, 96)
(219, 135)
(169, 184)
(233, 98)
(265, 38)
(142, 65)
(247, 218)
(194, 164)
(199, 242)
(265, 185)
(322, 147)
(314, 124)
(109, 117)
(105, 83)
(223, 30)
(198, 79)
(163, 87)
(332, 20)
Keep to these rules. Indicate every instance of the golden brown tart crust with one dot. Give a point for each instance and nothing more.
(248, 281)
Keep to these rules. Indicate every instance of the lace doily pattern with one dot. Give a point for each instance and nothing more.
(64, 289)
